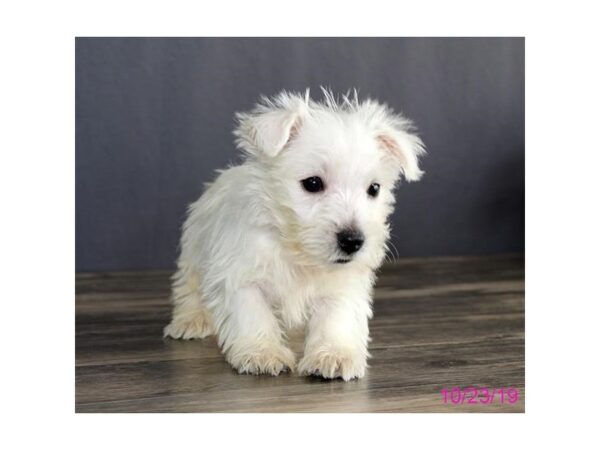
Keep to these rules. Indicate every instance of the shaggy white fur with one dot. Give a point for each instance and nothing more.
(261, 254)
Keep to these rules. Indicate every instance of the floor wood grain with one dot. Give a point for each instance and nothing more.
(439, 322)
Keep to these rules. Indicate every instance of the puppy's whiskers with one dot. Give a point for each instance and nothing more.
(394, 257)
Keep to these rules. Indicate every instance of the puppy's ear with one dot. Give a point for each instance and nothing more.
(405, 148)
(272, 124)
(396, 135)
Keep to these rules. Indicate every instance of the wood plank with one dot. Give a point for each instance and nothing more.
(439, 322)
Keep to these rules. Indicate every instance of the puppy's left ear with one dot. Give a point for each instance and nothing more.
(396, 135)
(405, 148)
(273, 123)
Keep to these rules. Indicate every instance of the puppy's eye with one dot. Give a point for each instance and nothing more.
(373, 190)
(313, 184)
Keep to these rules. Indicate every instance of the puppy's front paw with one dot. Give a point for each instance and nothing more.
(329, 363)
(269, 359)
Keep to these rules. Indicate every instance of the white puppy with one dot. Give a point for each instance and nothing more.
(292, 236)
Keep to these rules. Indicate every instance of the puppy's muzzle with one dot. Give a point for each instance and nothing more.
(350, 241)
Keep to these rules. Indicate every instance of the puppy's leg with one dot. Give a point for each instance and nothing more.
(337, 338)
(191, 319)
(250, 335)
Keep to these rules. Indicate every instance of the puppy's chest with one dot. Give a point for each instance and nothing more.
(292, 296)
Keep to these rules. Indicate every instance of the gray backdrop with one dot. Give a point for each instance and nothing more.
(154, 120)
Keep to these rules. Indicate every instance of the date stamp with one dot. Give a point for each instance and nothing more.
(479, 395)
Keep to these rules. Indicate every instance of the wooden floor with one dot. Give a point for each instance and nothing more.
(438, 323)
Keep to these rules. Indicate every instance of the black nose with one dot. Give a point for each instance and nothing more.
(350, 241)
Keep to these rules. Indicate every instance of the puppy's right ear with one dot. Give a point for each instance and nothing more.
(272, 124)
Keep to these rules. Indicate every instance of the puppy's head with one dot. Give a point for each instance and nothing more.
(328, 170)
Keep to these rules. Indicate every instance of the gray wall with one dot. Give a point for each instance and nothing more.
(154, 120)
